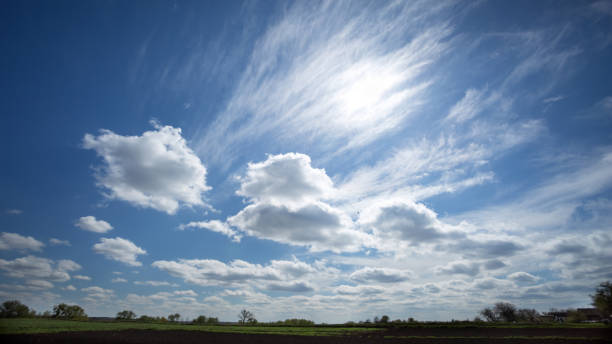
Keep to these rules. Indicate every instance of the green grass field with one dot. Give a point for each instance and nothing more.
(35, 325)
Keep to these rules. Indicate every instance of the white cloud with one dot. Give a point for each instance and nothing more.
(39, 284)
(58, 242)
(215, 226)
(97, 294)
(89, 223)
(380, 275)
(550, 204)
(459, 268)
(69, 287)
(119, 249)
(154, 283)
(119, 280)
(315, 225)
(285, 193)
(358, 290)
(468, 107)
(185, 293)
(294, 287)
(285, 179)
(36, 268)
(522, 276)
(396, 221)
(14, 211)
(333, 82)
(14, 241)
(82, 277)
(278, 275)
(155, 170)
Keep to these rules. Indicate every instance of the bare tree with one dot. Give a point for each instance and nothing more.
(246, 317)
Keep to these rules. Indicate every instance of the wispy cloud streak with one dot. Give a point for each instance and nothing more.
(332, 76)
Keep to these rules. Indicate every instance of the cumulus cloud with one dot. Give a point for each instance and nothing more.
(316, 225)
(494, 264)
(295, 287)
(119, 280)
(522, 276)
(185, 293)
(154, 283)
(36, 268)
(119, 249)
(402, 221)
(39, 284)
(155, 170)
(459, 268)
(277, 275)
(380, 275)
(82, 277)
(485, 248)
(97, 294)
(58, 242)
(358, 290)
(89, 223)
(286, 195)
(491, 283)
(285, 178)
(215, 226)
(14, 241)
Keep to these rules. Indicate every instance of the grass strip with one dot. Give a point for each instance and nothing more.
(31, 326)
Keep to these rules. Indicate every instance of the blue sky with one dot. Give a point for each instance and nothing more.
(323, 160)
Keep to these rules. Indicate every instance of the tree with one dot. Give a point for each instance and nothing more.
(246, 317)
(126, 315)
(200, 320)
(506, 311)
(73, 312)
(174, 317)
(527, 315)
(502, 311)
(489, 314)
(384, 319)
(602, 300)
(15, 309)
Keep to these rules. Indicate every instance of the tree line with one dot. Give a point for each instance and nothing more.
(507, 312)
(500, 312)
(16, 309)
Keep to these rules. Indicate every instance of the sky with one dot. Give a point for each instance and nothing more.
(326, 160)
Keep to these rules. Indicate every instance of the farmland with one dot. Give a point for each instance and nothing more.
(56, 331)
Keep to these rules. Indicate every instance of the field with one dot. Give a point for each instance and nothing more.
(59, 331)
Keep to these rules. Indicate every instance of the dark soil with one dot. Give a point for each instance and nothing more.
(435, 335)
